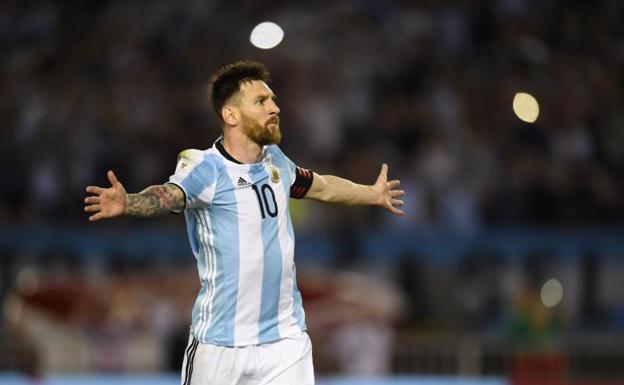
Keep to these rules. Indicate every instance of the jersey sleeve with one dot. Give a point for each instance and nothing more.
(196, 175)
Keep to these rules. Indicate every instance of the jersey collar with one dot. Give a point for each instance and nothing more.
(218, 144)
(226, 155)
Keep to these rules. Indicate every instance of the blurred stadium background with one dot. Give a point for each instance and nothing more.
(506, 269)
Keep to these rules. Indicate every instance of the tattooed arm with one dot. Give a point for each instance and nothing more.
(155, 201)
(114, 201)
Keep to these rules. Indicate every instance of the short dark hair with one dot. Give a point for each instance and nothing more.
(228, 79)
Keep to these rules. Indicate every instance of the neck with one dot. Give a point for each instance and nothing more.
(241, 148)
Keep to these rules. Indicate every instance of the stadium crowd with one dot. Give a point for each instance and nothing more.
(427, 87)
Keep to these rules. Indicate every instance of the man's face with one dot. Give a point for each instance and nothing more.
(259, 113)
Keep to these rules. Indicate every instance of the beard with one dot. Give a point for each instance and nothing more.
(269, 133)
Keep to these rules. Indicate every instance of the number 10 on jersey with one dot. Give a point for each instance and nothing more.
(266, 205)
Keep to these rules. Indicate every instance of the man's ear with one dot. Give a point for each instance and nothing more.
(230, 115)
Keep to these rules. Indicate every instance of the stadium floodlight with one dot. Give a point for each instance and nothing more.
(266, 35)
(525, 107)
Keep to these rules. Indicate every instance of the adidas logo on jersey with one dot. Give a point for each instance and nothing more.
(242, 182)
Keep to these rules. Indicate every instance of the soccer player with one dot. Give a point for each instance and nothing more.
(248, 322)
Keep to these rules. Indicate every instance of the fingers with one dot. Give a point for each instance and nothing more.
(95, 190)
(392, 203)
(384, 170)
(393, 184)
(92, 199)
(395, 211)
(99, 190)
(112, 178)
(391, 206)
(93, 203)
(383, 175)
(96, 217)
(92, 208)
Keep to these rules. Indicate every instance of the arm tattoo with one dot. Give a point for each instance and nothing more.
(155, 201)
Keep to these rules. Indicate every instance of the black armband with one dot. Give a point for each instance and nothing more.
(303, 182)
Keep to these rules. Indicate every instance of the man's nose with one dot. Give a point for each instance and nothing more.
(273, 108)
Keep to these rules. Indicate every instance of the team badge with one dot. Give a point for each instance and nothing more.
(274, 172)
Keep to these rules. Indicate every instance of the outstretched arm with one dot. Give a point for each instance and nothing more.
(114, 201)
(329, 188)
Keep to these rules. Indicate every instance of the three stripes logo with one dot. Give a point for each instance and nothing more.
(242, 182)
(189, 360)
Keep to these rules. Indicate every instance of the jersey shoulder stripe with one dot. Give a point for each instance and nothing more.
(196, 173)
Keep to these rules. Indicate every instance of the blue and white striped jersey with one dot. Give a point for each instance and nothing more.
(241, 234)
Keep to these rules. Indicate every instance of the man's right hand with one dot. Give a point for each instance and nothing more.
(106, 202)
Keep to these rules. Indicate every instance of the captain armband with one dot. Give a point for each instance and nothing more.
(303, 182)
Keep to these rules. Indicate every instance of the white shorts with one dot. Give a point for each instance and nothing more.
(284, 362)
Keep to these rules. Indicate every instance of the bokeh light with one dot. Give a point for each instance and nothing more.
(551, 293)
(266, 35)
(525, 107)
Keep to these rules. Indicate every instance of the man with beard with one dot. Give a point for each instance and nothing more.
(248, 322)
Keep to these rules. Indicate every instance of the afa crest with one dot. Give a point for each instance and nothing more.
(274, 172)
